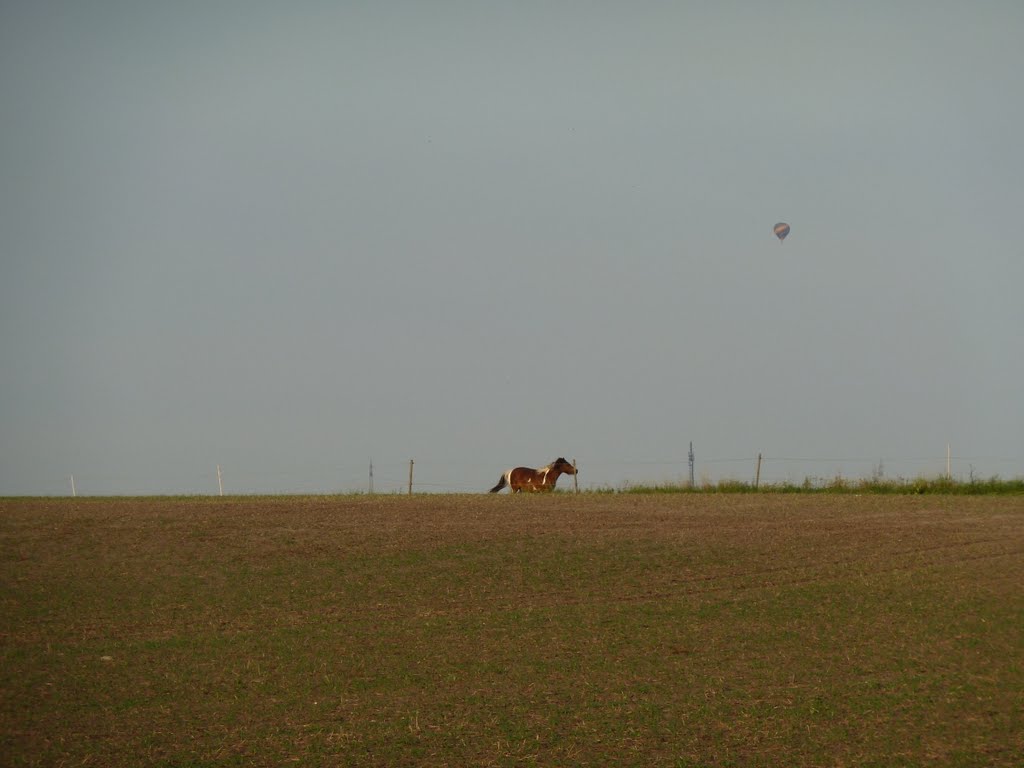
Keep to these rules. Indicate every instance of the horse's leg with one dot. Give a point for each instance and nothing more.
(515, 480)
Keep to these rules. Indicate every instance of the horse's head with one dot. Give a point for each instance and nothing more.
(562, 465)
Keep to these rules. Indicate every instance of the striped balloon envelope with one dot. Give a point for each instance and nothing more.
(781, 230)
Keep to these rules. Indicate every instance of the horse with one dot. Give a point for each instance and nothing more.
(525, 479)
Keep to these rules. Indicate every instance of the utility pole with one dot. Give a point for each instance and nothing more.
(691, 464)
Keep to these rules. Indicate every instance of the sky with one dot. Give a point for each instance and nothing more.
(296, 239)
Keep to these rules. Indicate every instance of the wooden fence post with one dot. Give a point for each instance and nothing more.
(410, 476)
(757, 477)
(575, 482)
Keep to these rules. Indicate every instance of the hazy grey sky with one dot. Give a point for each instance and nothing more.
(289, 238)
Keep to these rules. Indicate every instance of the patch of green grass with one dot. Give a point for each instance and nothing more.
(993, 486)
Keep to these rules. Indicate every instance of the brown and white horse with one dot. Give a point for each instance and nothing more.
(525, 479)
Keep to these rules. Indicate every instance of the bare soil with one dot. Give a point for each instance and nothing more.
(453, 630)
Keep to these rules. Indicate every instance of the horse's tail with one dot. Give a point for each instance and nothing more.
(501, 483)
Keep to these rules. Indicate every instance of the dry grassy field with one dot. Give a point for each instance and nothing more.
(599, 629)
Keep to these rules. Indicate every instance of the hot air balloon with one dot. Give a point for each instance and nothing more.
(781, 230)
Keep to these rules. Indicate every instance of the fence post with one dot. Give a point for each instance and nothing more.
(410, 476)
(757, 477)
(220, 481)
(575, 482)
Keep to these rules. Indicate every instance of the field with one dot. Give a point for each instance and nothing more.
(599, 629)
